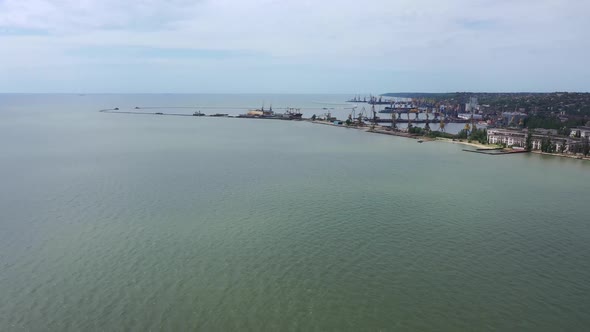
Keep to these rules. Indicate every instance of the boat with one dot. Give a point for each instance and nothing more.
(357, 99)
(293, 114)
(420, 141)
(198, 113)
(379, 101)
(252, 114)
(398, 108)
(290, 114)
(219, 115)
(258, 113)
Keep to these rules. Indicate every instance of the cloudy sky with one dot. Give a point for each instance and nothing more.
(325, 46)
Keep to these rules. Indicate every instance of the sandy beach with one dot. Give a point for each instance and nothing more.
(475, 145)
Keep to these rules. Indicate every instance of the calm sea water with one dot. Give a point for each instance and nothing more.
(118, 222)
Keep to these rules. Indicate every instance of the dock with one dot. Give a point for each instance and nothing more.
(383, 130)
(495, 152)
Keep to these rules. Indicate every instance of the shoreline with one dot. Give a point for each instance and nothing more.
(383, 131)
(387, 131)
(475, 145)
(571, 156)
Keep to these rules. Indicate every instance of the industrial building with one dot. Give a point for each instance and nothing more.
(513, 119)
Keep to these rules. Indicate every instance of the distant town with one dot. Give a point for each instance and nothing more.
(556, 123)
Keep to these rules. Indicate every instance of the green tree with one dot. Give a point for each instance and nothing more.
(462, 134)
(416, 130)
(529, 141)
(575, 148)
(479, 135)
(563, 147)
(585, 146)
(545, 145)
(564, 131)
(550, 122)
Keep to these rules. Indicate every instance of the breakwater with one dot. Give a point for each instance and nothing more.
(367, 127)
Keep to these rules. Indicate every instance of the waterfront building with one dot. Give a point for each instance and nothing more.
(582, 131)
(518, 138)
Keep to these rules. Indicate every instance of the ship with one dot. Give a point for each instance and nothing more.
(379, 101)
(258, 113)
(357, 99)
(398, 108)
(290, 114)
(293, 114)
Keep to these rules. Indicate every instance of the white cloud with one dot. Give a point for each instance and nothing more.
(453, 36)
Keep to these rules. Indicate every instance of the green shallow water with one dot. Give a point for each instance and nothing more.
(121, 222)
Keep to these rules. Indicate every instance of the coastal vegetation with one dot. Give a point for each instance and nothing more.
(548, 146)
(546, 121)
(478, 135)
(582, 148)
(442, 134)
(529, 141)
(429, 133)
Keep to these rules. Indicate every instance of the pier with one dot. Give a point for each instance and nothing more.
(495, 152)
(113, 110)
(369, 125)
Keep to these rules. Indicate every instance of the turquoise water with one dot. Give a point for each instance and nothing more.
(136, 222)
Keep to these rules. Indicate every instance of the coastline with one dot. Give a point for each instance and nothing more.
(587, 158)
(387, 131)
(434, 139)
(475, 145)
(384, 131)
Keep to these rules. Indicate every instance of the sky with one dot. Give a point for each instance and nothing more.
(272, 46)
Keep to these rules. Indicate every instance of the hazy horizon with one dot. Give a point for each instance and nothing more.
(351, 94)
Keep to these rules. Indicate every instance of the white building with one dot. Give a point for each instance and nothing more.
(581, 131)
(517, 138)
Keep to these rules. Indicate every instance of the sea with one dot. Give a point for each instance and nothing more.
(142, 222)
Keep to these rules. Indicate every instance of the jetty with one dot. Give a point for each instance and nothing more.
(495, 152)
(368, 125)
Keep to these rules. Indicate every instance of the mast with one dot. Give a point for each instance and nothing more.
(374, 116)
